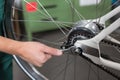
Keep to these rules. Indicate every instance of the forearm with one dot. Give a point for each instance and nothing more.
(9, 46)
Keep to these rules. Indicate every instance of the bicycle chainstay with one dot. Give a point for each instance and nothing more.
(101, 66)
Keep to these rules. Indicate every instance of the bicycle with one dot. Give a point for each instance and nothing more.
(84, 41)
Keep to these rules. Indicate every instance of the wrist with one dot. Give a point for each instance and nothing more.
(9, 46)
(14, 47)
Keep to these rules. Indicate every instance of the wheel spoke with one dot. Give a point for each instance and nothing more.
(74, 9)
(51, 18)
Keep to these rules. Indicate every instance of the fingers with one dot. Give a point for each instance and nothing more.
(52, 51)
(42, 59)
(37, 53)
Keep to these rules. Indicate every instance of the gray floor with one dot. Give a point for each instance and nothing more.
(18, 74)
(82, 66)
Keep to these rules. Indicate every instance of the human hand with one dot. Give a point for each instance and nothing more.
(32, 52)
(36, 53)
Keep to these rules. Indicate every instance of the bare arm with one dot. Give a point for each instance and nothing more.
(32, 52)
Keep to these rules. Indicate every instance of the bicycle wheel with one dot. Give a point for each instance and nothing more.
(53, 23)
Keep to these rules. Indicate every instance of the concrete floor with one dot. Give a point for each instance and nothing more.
(18, 74)
(82, 66)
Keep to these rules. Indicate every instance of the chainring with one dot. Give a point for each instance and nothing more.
(81, 32)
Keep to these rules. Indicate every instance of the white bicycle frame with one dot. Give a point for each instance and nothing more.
(94, 42)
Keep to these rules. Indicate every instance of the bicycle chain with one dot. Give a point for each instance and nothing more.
(113, 45)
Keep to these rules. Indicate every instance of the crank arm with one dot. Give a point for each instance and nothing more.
(72, 50)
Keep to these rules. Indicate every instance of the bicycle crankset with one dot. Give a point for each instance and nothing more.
(82, 30)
